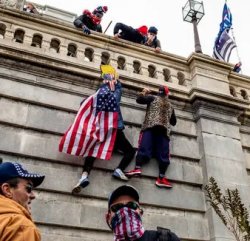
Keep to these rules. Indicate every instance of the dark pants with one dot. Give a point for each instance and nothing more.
(154, 143)
(121, 144)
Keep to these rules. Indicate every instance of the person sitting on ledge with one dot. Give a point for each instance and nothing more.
(125, 32)
(91, 21)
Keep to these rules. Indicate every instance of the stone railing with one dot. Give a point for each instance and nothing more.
(64, 42)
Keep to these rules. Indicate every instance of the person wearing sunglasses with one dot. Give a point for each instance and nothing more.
(124, 218)
(91, 21)
(16, 195)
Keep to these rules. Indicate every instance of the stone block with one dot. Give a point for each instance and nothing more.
(184, 146)
(247, 158)
(226, 170)
(184, 126)
(39, 94)
(222, 147)
(220, 128)
(52, 233)
(245, 139)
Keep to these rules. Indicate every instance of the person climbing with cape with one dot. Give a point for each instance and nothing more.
(98, 129)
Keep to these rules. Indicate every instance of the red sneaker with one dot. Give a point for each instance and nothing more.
(135, 172)
(163, 182)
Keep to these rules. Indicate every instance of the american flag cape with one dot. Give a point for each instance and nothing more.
(94, 129)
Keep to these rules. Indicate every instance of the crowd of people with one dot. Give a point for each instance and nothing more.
(124, 213)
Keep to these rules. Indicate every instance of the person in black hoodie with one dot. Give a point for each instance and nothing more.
(126, 32)
(91, 21)
(152, 40)
(124, 218)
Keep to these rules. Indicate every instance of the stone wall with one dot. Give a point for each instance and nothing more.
(41, 87)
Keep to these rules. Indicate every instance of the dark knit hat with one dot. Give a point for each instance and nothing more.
(153, 29)
(9, 170)
(101, 9)
(143, 30)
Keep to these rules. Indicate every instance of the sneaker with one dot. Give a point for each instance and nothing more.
(135, 172)
(163, 182)
(82, 183)
(118, 173)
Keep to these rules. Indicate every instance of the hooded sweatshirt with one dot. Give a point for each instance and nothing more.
(16, 223)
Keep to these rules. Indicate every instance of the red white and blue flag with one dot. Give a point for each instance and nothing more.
(94, 129)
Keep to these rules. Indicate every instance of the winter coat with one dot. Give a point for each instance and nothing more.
(161, 234)
(155, 43)
(129, 33)
(86, 20)
(16, 223)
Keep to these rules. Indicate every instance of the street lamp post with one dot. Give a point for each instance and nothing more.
(193, 11)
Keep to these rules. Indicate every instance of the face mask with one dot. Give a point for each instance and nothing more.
(96, 20)
(127, 225)
(161, 91)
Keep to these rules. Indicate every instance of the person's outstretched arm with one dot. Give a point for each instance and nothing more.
(173, 119)
(79, 22)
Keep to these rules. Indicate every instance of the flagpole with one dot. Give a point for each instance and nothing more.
(237, 51)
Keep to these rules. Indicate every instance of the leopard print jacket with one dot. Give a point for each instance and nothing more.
(158, 113)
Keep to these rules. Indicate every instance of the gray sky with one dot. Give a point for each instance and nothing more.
(175, 35)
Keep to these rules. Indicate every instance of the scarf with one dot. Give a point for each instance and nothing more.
(127, 225)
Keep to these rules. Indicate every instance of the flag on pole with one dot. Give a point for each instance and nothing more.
(224, 44)
(94, 129)
(227, 19)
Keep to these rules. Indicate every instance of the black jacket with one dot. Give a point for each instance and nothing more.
(86, 20)
(129, 33)
(161, 234)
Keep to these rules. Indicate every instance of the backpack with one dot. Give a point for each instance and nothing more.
(165, 234)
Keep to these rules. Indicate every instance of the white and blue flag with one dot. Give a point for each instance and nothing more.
(224, 44)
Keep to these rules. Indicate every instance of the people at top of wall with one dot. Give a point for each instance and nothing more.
(136, 35)
(30, 8)
(155, 133)
(16, 195)
(91, 21)
(152, 40)
(124, 218)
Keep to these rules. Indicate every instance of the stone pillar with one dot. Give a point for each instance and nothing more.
(222, 156)
(18, 4)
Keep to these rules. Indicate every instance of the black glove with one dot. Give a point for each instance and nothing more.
(85, 30)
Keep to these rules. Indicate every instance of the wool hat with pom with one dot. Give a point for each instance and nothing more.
(101, 9)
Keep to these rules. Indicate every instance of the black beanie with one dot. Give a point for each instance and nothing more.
(153, 30)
